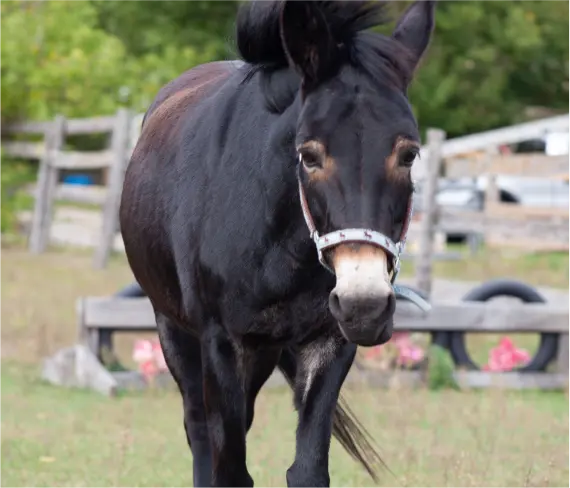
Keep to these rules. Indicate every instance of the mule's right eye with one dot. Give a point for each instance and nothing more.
(311, 159)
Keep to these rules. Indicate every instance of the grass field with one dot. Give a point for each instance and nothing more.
(52, 437)
(56, 437)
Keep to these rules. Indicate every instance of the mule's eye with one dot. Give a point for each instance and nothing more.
(407, 157)
(311, 159)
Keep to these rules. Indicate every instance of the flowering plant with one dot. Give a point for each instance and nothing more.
(402, 351)
(149, 357)
(506, 356)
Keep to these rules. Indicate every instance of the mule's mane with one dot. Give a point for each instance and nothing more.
(380, 57)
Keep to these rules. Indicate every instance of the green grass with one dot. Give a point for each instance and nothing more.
(57, 437)
(539, 269)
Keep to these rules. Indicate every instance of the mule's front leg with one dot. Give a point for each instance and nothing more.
(225, 409)
(323, 366)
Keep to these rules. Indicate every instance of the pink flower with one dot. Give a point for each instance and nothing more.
(142, 351)
(400, 350)
(506, 357)
(159, 357)
(150, 358)
(148, 369)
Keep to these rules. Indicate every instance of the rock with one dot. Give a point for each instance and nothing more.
(78, 367)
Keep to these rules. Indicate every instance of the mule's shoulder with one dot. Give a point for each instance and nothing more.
(189, 81)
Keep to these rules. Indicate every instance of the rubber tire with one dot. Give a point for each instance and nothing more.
(132, 291)
(548, 341)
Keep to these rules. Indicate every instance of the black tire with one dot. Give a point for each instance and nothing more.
(132, 291)
(495, 288)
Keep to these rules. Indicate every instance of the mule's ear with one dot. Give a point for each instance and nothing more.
(415, 27)
(307, 41)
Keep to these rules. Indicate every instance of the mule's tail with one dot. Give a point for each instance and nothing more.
(347, 429)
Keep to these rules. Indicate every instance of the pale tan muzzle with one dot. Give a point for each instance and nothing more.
(363, 291)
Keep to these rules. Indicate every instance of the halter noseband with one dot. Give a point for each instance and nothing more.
(368, 236)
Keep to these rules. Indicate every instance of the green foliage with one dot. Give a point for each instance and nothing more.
(147, 27)
(487, 64)
(14, 176)
(489, 61)
(87, 58)
(55, 59)
(440, 369)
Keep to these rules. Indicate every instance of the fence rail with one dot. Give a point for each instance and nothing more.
(54, 158)
(101, 316)
(498, 225)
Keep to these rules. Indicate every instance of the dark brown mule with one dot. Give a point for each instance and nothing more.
(249, 183)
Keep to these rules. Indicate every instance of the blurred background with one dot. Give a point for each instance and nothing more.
(76, 78)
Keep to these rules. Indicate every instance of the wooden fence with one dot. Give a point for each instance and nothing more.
(102, 316)
(53, 158)
(498, 223)
(507, 224)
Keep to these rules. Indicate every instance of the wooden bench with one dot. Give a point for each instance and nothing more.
(97, 317)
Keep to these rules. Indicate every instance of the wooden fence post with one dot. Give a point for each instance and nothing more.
(46, 186)
(424, 256)
(119, 146)
(562, 356)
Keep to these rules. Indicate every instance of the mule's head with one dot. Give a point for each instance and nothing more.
(356, 140)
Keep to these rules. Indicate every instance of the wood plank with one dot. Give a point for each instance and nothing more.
(511, 225)
(482, 317)
(511, 380)
(562, 355)
(91, 194)
(536, 165)
(83, 160)
(120, 144)
(388, 379)
(524, 212)
(429, 207)
(137, 314)
(528, 244)
(469, 380)
(482, 140)
(27, 127)
(92, 125)
(22, 149)
(47, 181)
(437, 256)
(461, 221)
(118, 313)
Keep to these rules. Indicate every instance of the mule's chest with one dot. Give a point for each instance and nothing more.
(292, 321)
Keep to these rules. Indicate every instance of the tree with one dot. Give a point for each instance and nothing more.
(489, 61)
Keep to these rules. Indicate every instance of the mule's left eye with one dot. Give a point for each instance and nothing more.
(407, 157)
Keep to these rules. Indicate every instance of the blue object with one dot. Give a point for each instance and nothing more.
(78, 180)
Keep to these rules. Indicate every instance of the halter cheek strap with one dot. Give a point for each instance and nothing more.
(369, 236)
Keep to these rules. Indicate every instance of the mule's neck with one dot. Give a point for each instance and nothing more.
(289, 222)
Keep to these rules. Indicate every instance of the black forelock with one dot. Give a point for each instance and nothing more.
(379, 57)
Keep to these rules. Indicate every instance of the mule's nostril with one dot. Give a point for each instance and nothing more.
(334, 305)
